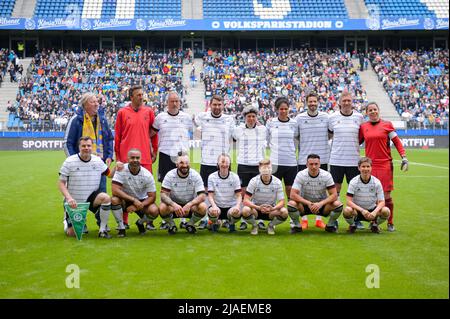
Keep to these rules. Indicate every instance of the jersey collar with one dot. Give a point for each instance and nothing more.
(314, 176)
(90, 157)
(370, 178)
(220, 176)
(345, 114)
(136, 173)
(271, 177)
(178, 173)
(284, 121)
(173, 114)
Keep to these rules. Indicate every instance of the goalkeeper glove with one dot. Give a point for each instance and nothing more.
(404, 165)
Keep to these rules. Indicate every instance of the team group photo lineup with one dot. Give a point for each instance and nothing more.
(287, 168)
(224, 158)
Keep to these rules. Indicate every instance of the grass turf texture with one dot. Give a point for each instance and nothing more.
(34, 252)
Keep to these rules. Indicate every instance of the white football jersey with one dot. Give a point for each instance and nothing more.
(183, 189)
(138, 185)
(174, 132)
(216, 135)
(345, 145)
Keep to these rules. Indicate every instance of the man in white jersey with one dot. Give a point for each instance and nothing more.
(264, 199)
(79, 180)
(344, 156)
(313, 139)
(314, 192)
(182, 194)
(251, 140)
(216, 132)
(224, 193)
(134, 190)
(365, 199)
(174, 129)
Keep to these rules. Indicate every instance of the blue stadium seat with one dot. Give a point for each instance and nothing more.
(6, 7)
(425, 8)
(154, 9)
(300, 9)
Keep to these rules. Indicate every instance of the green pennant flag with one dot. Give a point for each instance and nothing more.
(77, 217)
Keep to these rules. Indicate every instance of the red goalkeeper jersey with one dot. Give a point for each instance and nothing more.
(132, 130)
(377, 137)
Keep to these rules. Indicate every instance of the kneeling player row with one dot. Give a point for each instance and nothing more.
(183, 196)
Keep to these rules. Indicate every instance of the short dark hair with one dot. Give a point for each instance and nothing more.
(217, 98)
(280, 101)
(134, 88)
(312, 156)
(84, 138)
(311, 94)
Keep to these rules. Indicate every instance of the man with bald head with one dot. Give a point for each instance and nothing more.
(174, 128)
(134, 190)
(182, 195)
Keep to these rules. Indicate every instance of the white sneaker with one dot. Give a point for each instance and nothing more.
(254, 230)
(271, 229)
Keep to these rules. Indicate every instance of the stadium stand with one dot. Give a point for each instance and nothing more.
(109, 9)
(6, 7)
(417, 84)
(48, 96)
(158, 9)
(425, 8)
(294, 9)
(58, 8)
(258, 78)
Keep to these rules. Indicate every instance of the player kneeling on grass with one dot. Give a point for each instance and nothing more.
(79, 180)
(314, 192)
(182, 194)
(264, 199)
(134, 190)
(224, 193)
(365, 199)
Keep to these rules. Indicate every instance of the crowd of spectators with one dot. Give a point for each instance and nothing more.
(417, 83)
(56, 79)
(258, 78)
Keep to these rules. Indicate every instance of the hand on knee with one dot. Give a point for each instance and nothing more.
(115, 200)
(348, 212)
(385, 212)
(202, 209)
(292, 203)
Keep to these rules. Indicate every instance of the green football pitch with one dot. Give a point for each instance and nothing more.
(412, 262)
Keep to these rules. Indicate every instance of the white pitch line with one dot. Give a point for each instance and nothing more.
(423, 164)
(437, 176)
